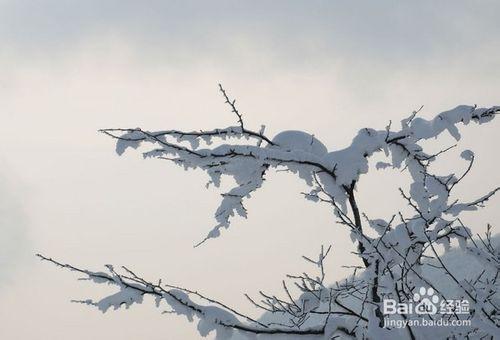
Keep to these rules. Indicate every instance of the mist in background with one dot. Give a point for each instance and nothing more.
(14, 240)
(69, 68)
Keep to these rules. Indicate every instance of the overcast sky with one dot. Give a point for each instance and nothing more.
(68, 68)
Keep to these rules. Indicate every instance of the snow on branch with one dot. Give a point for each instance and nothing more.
(212, 315)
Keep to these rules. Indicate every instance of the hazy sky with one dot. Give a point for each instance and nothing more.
(68, 68)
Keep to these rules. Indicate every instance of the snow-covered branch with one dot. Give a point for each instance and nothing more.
(295, 151)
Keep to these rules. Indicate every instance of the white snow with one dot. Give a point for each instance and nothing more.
(299, 140)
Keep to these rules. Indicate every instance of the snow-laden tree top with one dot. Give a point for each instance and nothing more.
(396, 260)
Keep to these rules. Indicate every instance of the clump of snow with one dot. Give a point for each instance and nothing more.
(468, 155)
(300, 141)
(352, 161)
(382, 165)
(129, 140)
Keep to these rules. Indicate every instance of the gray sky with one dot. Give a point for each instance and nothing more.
(69, 68)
